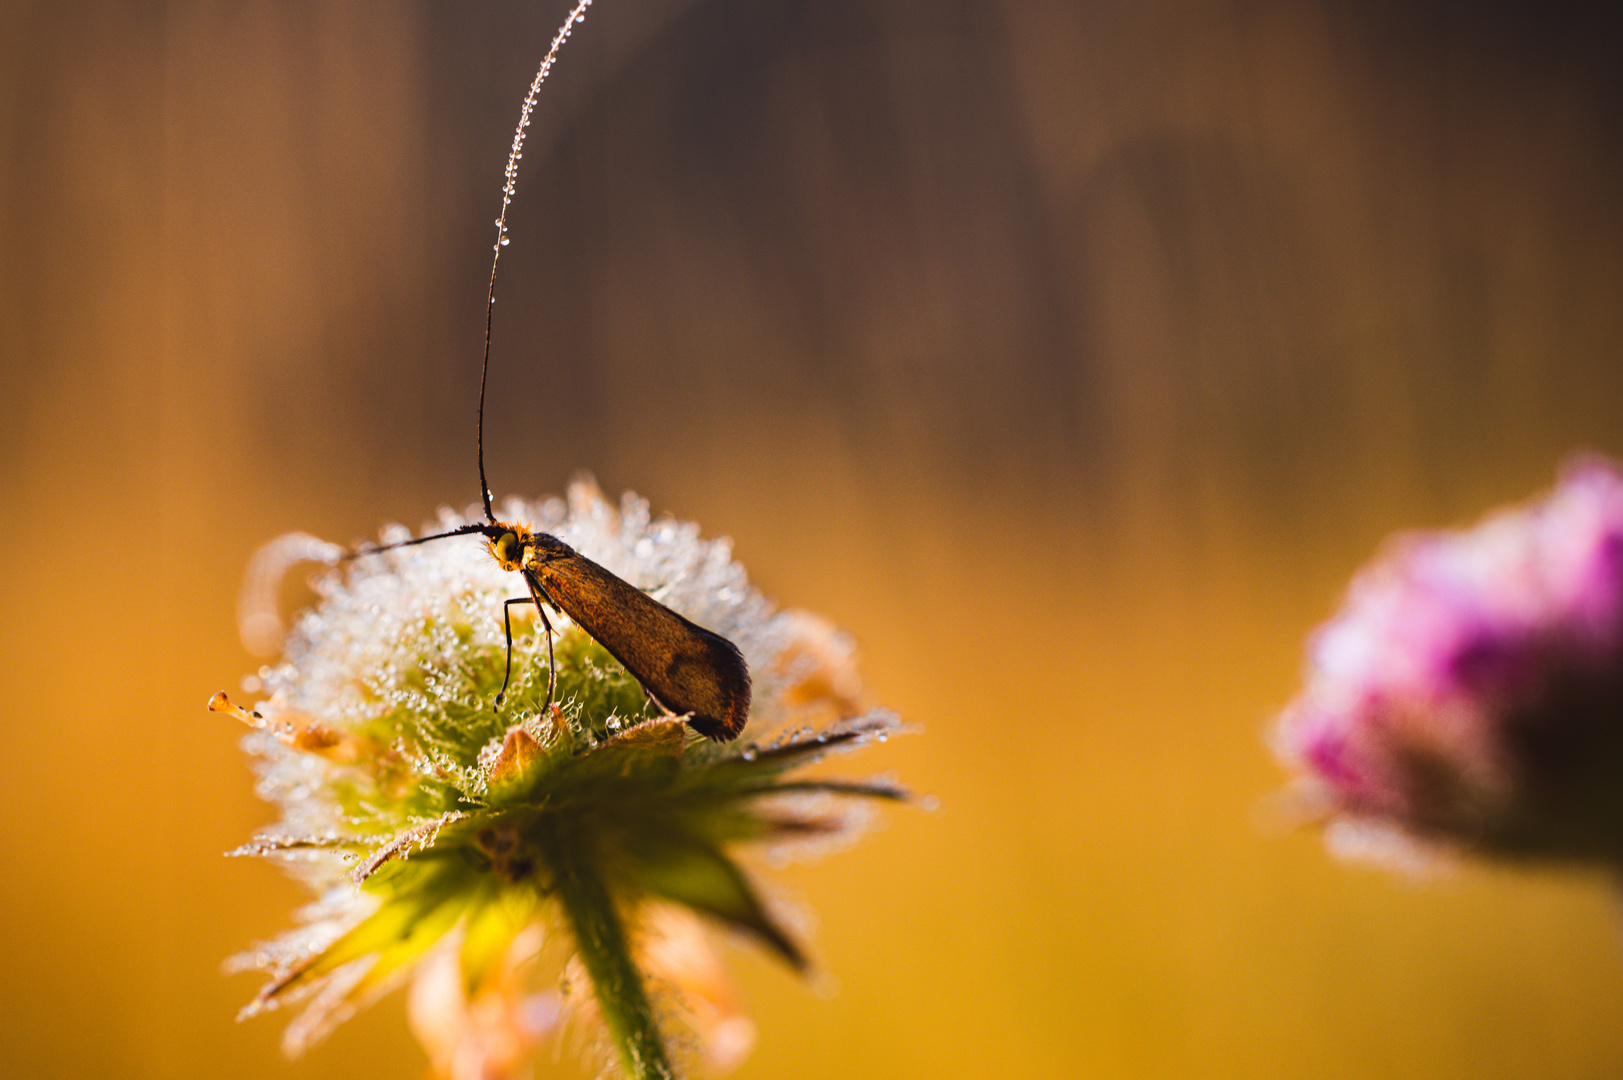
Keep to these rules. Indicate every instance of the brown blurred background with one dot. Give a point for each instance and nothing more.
(1071, 355)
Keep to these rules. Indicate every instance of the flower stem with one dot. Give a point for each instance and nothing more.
(601, 939)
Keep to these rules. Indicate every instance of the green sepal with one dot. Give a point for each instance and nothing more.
(687, 871)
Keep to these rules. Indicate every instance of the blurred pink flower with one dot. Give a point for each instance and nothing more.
(1469, 694)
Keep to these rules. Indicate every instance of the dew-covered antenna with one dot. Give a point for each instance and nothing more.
(510, 179)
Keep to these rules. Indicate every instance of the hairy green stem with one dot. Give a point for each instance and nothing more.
(601, 938)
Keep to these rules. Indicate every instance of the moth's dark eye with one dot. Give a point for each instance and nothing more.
(506, 548)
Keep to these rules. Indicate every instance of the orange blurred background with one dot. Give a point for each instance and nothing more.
(1069, 355)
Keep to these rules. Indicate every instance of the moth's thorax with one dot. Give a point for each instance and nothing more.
(543, 548)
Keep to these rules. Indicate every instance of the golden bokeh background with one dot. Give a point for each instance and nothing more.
(1070, 355)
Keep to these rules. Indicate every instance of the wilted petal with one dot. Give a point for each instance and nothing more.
(491, 1032)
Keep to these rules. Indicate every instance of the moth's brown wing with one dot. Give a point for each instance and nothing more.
(685, 667)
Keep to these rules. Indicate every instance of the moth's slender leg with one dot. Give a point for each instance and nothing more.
(541, 598)
(552, 670)
(655, 702)
(507, 629)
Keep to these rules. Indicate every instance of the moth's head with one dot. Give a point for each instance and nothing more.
(507, 543)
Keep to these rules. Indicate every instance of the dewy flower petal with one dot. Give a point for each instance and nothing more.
(1469, 694)
(434, 827)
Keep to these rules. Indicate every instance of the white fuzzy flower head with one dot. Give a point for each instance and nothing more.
(515, 847)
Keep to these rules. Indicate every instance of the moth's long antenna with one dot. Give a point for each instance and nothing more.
(460, 530)
(575, 16)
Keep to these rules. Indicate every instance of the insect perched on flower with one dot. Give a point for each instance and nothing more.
(686, 670)
(1469, 695)
(551, 852)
